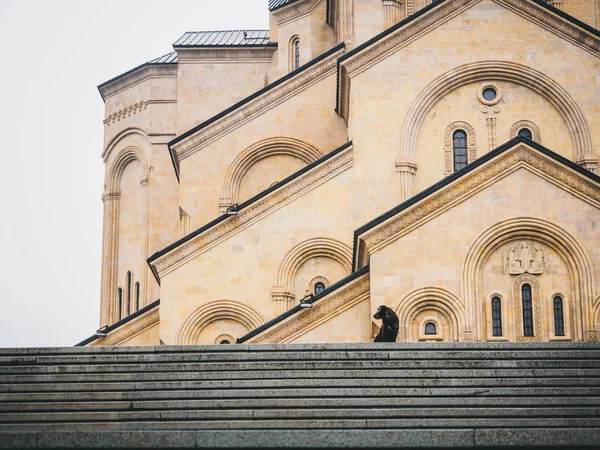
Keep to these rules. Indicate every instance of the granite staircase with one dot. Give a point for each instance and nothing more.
(442, 395)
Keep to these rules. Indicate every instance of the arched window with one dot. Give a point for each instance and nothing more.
(120, 291)
(527, 310)
(559, 318)
(526, 133)
(496, 316)
(459, 148)
(294, 52)
(430, 328)
(319, 287)
(224, 342)
(137, 296)
(128, 292)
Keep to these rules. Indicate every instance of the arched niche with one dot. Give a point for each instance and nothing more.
(318, 257)
(567, 267)
(218, 318)
(263, 164)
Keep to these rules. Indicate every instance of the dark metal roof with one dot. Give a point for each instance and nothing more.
(274, 4)
(223, 38)
(169, 58)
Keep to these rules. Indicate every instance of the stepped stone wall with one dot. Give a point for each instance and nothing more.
(434, 395)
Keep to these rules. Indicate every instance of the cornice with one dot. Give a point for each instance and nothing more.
(256, 106)
(471, 183)
(130, 329)
(144, 73)
(295, 11)
(322, 311)
(410, 29)
(225, 54)
(298, 186)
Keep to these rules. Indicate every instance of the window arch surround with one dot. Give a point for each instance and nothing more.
(513, 72)
(569, 249)
(256, 152)
(449, 144)
(283, 293)
(431, 298)
(294, 53)
(535, 130)
(527, 295)
(218, 310)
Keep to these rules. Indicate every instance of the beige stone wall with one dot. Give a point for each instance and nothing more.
(352, 325)
(203, 173)
(149, 336)
(368, 19)
(431, 260)
(584, 10)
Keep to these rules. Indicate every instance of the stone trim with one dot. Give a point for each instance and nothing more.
(449, 146)
(226, 55)
(322, 311)
(471, 183)
(129, 329)
(295, 11)
(536, 302)
(253, 212)
(145, 72)
(535, 131)
(256, 106)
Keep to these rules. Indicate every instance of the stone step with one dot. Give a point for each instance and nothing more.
(286, 414)
(305, 365)
(376, 393)
(53, 386)
(290, 424)
(304, 403)
(174, 358)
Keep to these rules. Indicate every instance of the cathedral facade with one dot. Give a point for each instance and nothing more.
(278, 186)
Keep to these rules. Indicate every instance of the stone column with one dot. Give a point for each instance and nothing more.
(407, 169)
(108, 297)
(392, 12)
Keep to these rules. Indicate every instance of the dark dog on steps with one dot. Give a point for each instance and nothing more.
(389, 326)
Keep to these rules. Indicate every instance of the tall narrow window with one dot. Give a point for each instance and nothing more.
(128, 293)
(137, 296)
(497, 316)
(296, 53)
(120, 303)
(459, 146)
(559, 318)
(527, 310)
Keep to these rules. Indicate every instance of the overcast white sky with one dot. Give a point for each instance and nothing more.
(53, 54)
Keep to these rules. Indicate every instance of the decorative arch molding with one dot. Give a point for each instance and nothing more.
(109, 305)
(535, 130)
(214, 311)
(256, 152)
(119, 137)
(283, 293)
(536, 301)
(449, 148)
(553, 92)
(437, 299)
(566, 246)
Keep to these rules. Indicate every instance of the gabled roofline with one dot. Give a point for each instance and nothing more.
(243, 205)
(121, 322)
(462, 172)
(290, 312)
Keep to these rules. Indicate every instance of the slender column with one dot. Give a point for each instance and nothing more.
(108, 300)
(145, 248)
(392, 12)
(407, 169)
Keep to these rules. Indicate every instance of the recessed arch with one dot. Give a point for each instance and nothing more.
(214, 311)
(256, 152)
(431, 298)
(124, 157)
(119, 137)
(559, 240)
(535, 130)
(496, 71)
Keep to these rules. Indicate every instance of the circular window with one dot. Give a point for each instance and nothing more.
(489, 94)
(526, 133)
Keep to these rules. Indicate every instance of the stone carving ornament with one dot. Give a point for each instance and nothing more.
(525, 257)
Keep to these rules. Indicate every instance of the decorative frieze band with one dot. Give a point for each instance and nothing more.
(472, 182)
(137, 76)
(322, 310)
(257, 106)
(303, 183)
(226, 55)
(130, 329)
(127, 112)
(295, 11)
